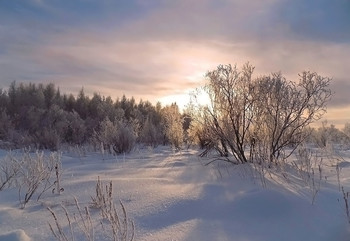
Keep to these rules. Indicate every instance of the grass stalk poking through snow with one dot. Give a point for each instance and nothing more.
(103, 199)
(9, 169)
(115, 226)
(346, 201)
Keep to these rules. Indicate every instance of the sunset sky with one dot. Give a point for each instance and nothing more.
(161, 49)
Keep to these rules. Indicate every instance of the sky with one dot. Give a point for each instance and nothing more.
(160, 50)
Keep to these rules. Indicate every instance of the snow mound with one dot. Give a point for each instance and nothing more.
(16, 235)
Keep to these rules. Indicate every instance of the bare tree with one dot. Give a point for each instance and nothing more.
(263, 115)
(229, 115)
(286, 109)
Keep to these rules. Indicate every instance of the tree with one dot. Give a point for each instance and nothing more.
(346, 129)
(149, 134)
(265, 115)
(327, 135)
(5, 125)
(124, 141)
(117, 136)
(82, 104)
(228, 117)
(4, 100)
(49, 94)
(53, 128)
(286, 109)
(172, 122)
(76, 129)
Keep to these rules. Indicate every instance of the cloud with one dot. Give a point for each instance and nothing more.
(340, 97)
(207, 19)
(321, 20)
(151, 49)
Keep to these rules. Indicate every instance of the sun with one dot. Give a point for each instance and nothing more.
(182, 100)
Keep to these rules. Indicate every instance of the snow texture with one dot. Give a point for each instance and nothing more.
(174, 196)
(17, 235)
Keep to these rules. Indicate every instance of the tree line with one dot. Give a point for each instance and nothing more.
(39, 116)
(264, 118)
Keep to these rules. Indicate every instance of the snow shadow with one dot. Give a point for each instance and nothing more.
(259, 214)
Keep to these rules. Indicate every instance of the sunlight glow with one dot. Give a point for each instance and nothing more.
(182, 100)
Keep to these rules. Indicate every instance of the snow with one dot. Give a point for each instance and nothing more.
(16, 235)
(174, 196)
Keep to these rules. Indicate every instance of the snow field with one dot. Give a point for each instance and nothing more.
(173, 196)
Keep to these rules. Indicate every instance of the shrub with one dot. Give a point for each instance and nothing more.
(35, 172)
(117, 136)
(124, 141)
(268, 114)
(9, 169)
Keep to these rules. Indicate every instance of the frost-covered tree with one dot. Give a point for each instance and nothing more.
(265, 115)
(172, 122)
(76, 129)
(149, 134)
(326, 135)
(117, 136)
(105, 134)
(228, 117)
(50, 95)
(198, 134)
(124, 141)
(4, 99)
(5, 124)
(346, 129)
(53, 128)
(286, 109)
(68, 102)
(39, 116)
(82, 104)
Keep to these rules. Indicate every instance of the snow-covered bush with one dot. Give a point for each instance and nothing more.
(103, 200)
(105, 134)
(125, 138)
(9, 169)
(20, 139)
(117, 136)
(36, 171)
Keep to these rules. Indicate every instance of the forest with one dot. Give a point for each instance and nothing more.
(39, 116)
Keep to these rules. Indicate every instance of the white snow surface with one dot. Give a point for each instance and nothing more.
(16, 235)
(174, 196)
